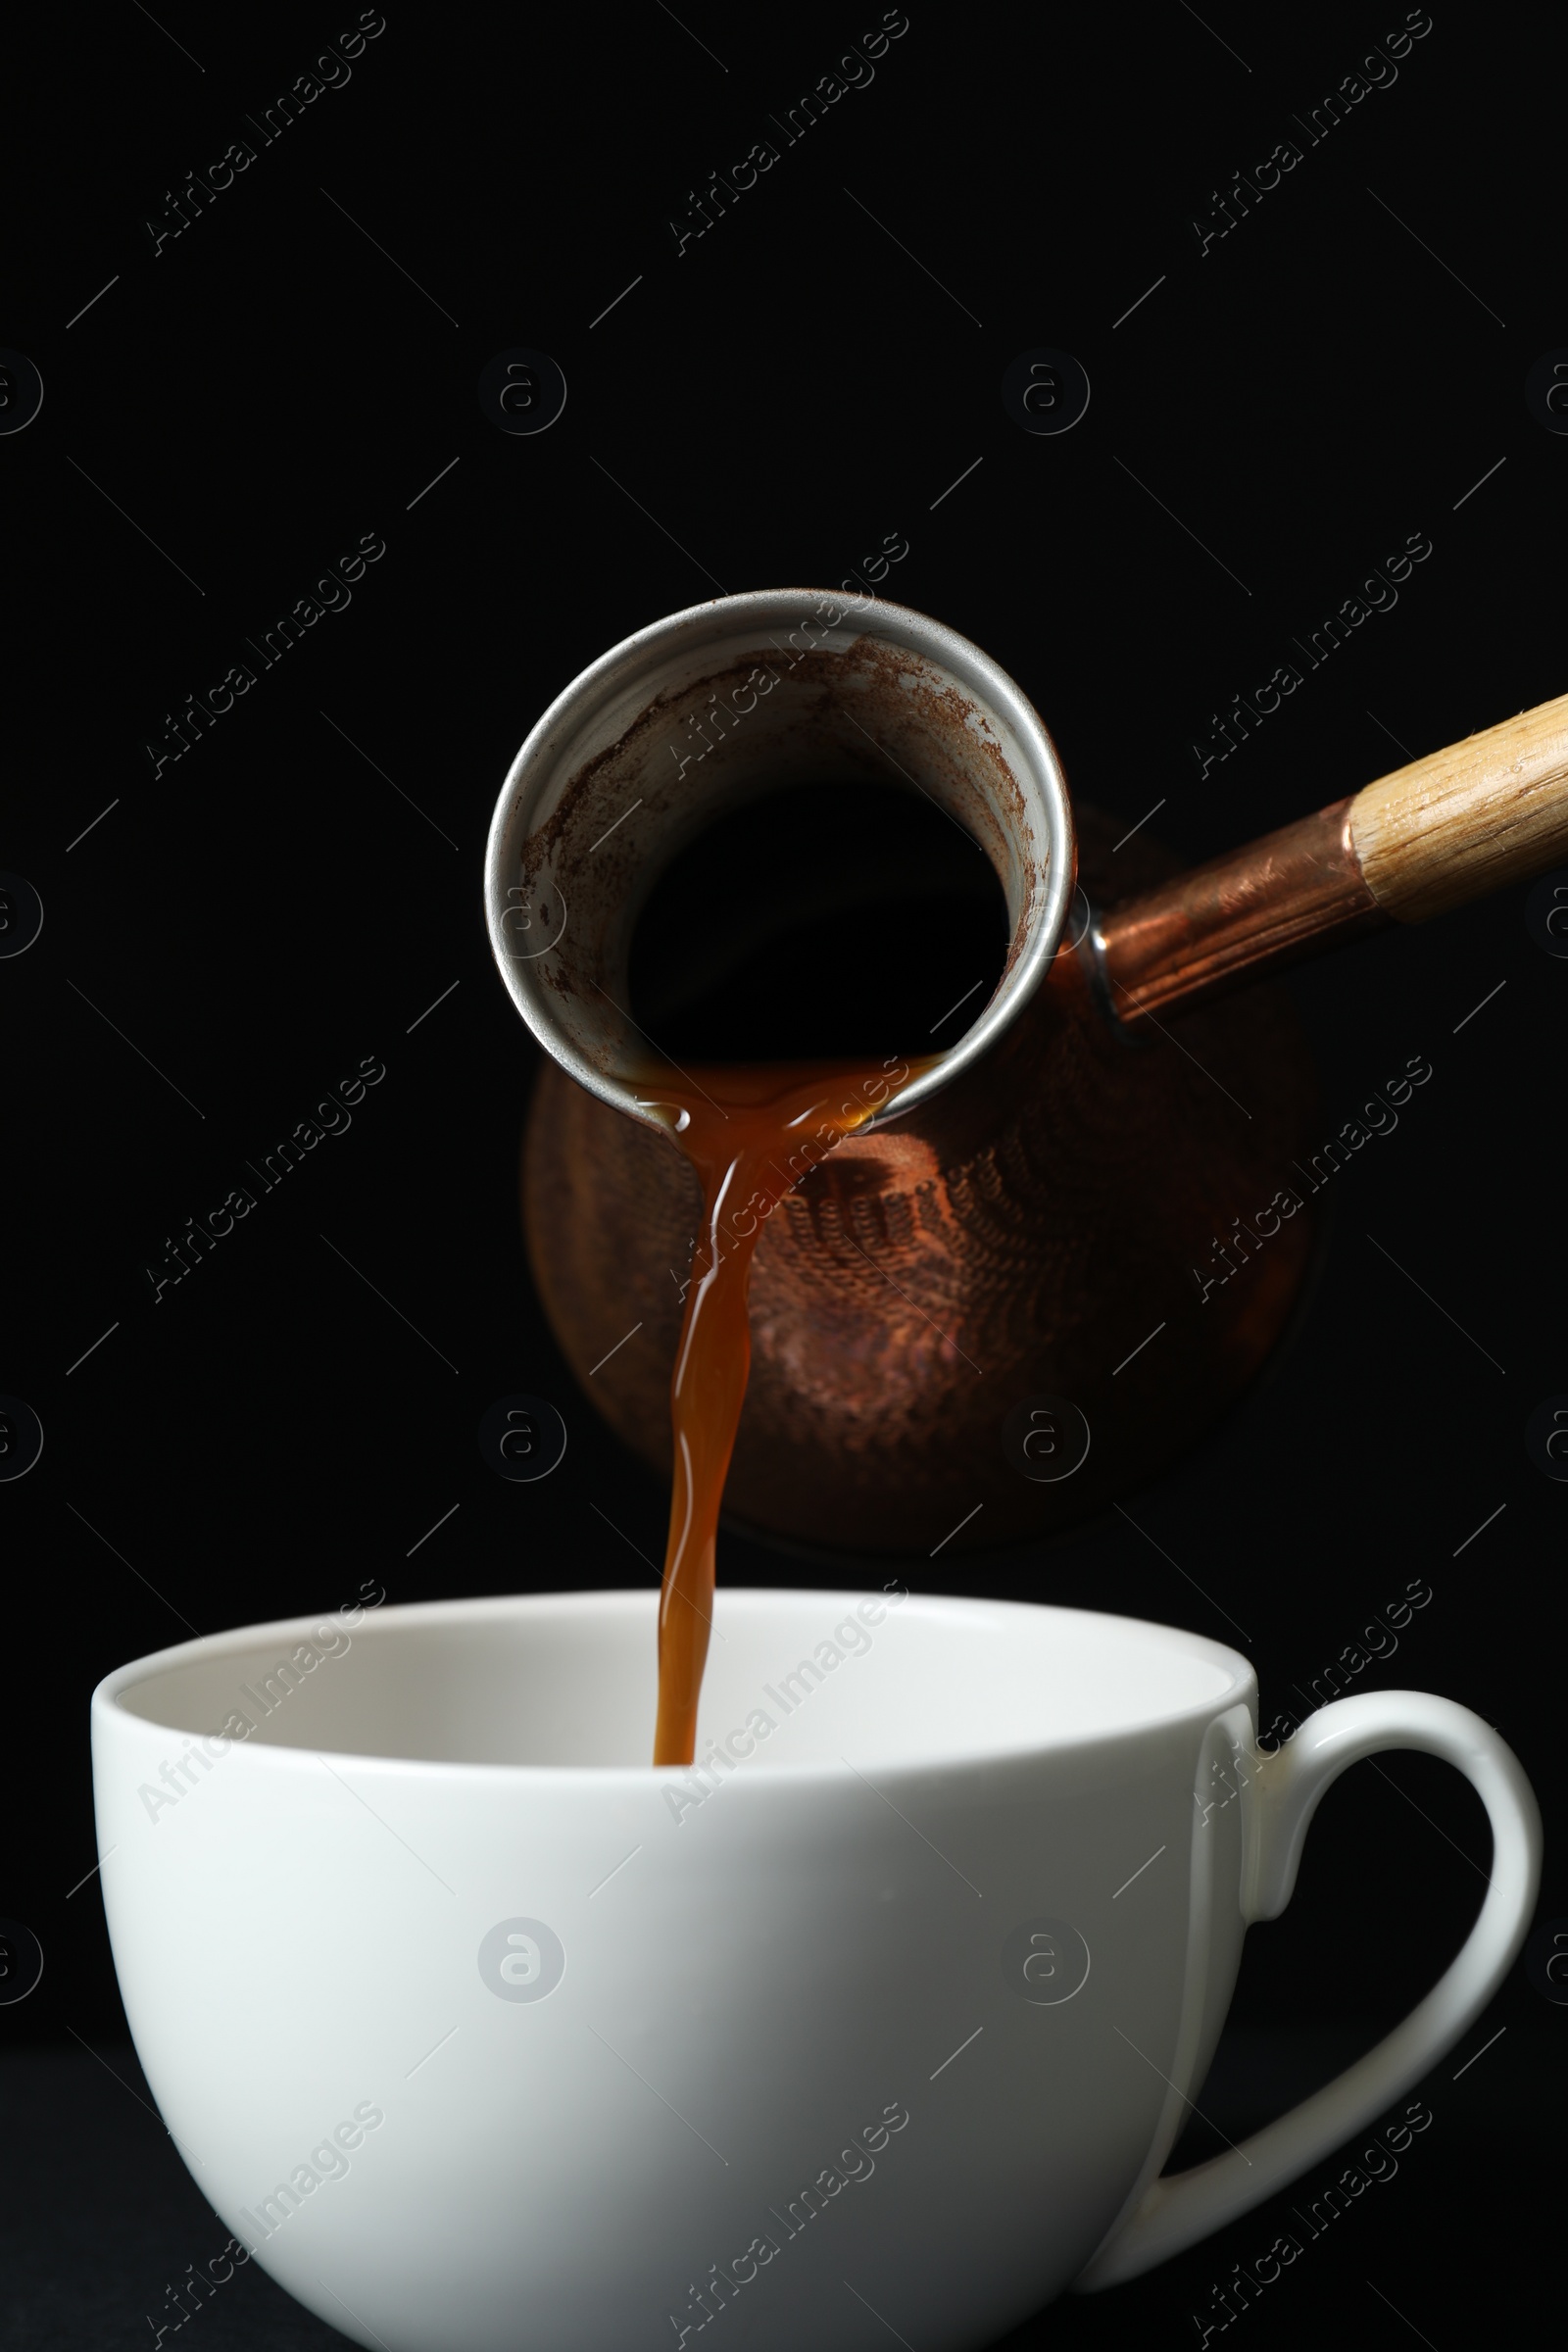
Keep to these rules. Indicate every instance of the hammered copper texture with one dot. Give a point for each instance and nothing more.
(1021, 1233)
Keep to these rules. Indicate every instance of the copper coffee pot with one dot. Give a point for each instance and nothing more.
(1078, 1233)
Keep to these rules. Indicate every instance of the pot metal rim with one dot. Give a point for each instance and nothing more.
(1040, 783)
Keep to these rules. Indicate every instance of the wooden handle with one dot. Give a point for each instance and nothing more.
(1485, 812)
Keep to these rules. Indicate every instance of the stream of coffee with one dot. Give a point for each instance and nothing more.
(751, 1133)
(788, 939)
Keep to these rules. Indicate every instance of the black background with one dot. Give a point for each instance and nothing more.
(239, 930)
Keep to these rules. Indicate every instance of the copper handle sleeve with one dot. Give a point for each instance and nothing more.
(1448, 828)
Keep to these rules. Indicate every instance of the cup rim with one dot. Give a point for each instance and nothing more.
(532, 769)
(107, 1698)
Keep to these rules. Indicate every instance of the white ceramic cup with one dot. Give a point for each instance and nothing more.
(482, 2034)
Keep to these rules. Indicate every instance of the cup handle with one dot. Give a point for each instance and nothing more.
(1284, 1791)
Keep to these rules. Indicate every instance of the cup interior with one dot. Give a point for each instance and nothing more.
(567, 1681)
(711, 707)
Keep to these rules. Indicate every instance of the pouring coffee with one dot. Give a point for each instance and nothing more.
(911, 1901)
(1026, 1213)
